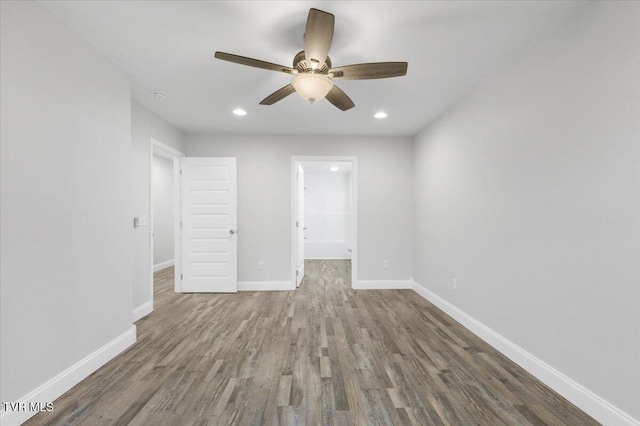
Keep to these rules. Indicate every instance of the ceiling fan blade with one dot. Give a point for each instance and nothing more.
(369, 71)
(340, 99)
(278, 95)
(318, 36)
(242, 60)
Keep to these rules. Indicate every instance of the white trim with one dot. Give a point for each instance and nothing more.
(266, 285)
(165, 151)
(54, 388)
(177, 228)
(327, 242)
(345, 257)
(354, 210)
(383, 285)
(327, 249)
(142, 311)
(163, 265)
(598, 408)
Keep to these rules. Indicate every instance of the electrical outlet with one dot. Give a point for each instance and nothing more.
(385, 264)
(260, 266)
(454, 284)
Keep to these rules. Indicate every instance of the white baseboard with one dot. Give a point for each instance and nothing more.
(583, 398)
(73, 375)
(142, 311)
(159, 266)
(383, 284)
(321, 249)
(345, 257)
(265, 285)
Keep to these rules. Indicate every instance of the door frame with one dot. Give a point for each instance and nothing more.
(162, 150)
(299, 224)
(295, 159)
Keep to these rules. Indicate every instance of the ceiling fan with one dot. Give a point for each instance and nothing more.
(312, 68)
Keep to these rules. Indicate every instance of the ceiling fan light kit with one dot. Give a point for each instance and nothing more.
(312, 68)
(312, 87)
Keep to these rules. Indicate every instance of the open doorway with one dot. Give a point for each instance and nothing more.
(162, 208)
(324, 212)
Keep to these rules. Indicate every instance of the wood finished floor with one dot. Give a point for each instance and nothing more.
(323, 354)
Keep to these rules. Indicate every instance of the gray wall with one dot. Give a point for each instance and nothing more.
(66, 228)
(528, 194)
(162, 187)
(144, 126)
(385, 172)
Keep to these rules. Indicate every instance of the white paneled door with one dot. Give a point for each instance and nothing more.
(208, 211)
(300, 228)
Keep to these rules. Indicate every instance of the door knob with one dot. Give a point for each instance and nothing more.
(232, 231)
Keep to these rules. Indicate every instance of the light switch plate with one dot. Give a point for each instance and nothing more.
(140, 221)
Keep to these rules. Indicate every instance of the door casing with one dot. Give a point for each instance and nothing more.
(162, 150)
(300, 227)
(295, 160)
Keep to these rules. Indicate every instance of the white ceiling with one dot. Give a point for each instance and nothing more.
(168, 46)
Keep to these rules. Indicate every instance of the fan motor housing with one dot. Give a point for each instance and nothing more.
(300, 63)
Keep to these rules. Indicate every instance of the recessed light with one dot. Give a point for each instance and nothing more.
(239, 111)
(334, 168)
(159, 95)
(380, 114)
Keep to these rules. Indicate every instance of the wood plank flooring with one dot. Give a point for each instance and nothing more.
(323, 354)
